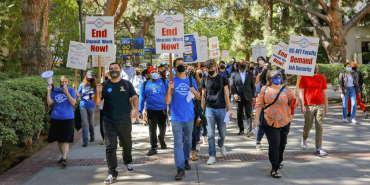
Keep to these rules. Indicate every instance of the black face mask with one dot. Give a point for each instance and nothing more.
(181, 68)
(211, 73)
(106, 78)
(114, 74)
(163, 73)
(91, 80)
(137, 73)
(243, 66)
(222, 66)
(251, 68)
(190, 73)
(200, 75)
(353, 68)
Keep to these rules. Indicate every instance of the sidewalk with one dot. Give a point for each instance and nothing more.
(348, 161)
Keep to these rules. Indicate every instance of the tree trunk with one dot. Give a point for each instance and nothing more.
(34, 32)
(247, 56)
(270, 9)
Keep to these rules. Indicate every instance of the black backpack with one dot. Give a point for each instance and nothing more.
(198, 107)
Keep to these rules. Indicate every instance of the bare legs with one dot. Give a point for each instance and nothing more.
(64, 149)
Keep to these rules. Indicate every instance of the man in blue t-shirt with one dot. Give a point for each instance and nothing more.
(153, 92)
(180, 96)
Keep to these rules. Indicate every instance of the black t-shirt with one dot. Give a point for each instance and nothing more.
(117, 107)
(215, 93)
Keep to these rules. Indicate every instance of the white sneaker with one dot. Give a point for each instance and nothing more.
(197, 148)
(110, 179)
(321, 152)
(223, 151)
(211, 160)
(205, 140)
(258, 147)
(345, 120)
(303, 144)
(354, 120)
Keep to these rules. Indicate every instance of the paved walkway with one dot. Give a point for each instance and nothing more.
(348, 161)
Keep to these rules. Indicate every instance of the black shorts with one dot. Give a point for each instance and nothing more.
(61, 130)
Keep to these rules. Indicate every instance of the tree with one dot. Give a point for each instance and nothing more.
(34, 32)
(333, 17)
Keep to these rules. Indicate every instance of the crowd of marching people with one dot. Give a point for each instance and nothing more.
(193, 102)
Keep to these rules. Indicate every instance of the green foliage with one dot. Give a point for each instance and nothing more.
(322, 55)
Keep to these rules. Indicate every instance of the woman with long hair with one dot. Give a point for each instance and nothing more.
(360, 80)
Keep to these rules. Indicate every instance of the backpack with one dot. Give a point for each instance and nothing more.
(198, 107)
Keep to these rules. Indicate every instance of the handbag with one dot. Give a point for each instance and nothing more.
(77, 112)
(198, 110)
(263, 121)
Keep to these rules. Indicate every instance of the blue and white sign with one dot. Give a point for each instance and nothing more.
(126, 46)
(191, 47)
(139, 45)
(302, 55)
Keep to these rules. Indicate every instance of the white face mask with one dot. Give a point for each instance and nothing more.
(128, 64)
(261, 62)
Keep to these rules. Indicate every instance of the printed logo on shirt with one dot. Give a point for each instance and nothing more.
(60, 98)
(319, 79)
(182, 89)
(122, 89)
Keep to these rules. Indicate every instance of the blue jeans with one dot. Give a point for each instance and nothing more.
(215, 115)
(195, 137)
(204, 128)
(87, 117)
(182, 130)
(351, 93)
(260, 133)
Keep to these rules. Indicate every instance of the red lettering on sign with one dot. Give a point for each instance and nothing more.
(99, 48)
(281, 53)
(214, 46)
(99, 33)
(301, 60)
(165, 46)
(278, 62)
(169, 32)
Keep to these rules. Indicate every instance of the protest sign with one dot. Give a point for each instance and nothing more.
(169, 33)
(100, 35)
(225, 54)
(77, 56)
(257, 51)
(166, 57)
(139, 46)
(191, 42)
(214, 47)
(150, 53)
(302, 55)
(126, 46)
(279, 54)
(105, 59)
(203, 51)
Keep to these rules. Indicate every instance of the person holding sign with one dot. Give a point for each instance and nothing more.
(243, 89)
(180, 94)
(348, 88)
(153, 93)
(273, 111)
(62, 123)
(116, 94)
(216, 102)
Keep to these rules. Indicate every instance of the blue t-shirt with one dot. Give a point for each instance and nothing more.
(225, 74)
(182, 110)
(85, 101)
(228, 70)
(62, 108)
(154, 95)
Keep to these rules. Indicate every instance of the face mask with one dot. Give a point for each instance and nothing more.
(205, 73)
(251, 68)
(181, 68)
(90, 80)
(353, 68)
(190, 73)
(163, 73)
(62, 86)
(166, 68)
(137, 73)
(200, 75)
(106, 78)
(154, 76)
(349, 69)
(222, 66)
(128, 64)
(235, 66)
(276, 80)
(168, 77)
(211, 73)
(261, 62)
(114, 74)
(243, 66)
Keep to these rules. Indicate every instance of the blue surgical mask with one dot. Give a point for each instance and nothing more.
(166, 68)
(205, 73)
(62, 86)
(235, 65)
(154, 76)
(128, 64)
(349, 69)
(276, 80)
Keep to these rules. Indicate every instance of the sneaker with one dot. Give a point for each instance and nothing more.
(60, 161)
(64, 162)
(258, 147)
(187, 165)
(223, 151)
(129, 168)
(180, 175)
(92, 139)
(211, 160)
(250, 134)
(205, 140)
(345, 120)
(321, 152)
(110, 179)
(303, 144)
(354, 120)
(151, 152)
(163, 145)
(102, 142)
(366, 115)
(197, 147)
(84, 145)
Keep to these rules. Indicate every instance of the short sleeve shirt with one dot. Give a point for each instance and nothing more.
(63, 109)
(86, 102)
(214, 89)
(313, 87)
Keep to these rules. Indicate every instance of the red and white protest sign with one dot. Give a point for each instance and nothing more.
(77, 57)
(214, 47)
(279, 55)
(105, 59)
(100, 35)
(203, 51)
(302, 55)
(169, 33)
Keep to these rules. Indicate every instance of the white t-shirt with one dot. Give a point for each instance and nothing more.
(128, 74)
(137, 82)
(350, 80)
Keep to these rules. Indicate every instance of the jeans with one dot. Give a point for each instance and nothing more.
(182, 146)
(157, 117)
(351, 93)
(260, 133)
(195, 137)
(204, 128)
(112, 130)
(215, 115)
(87, 117)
